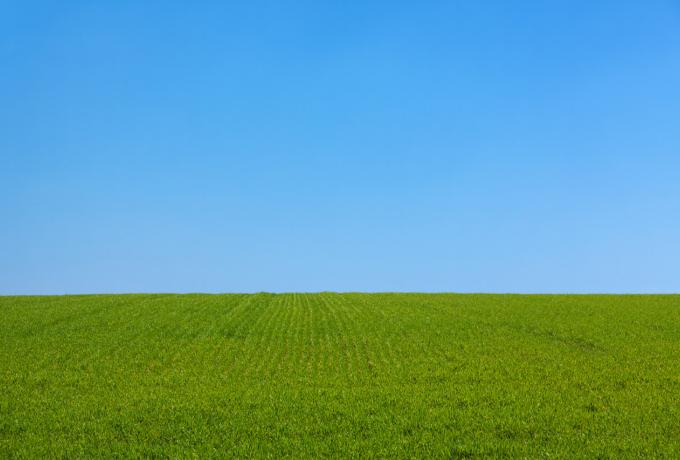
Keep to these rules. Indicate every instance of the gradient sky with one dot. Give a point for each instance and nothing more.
(354, 146)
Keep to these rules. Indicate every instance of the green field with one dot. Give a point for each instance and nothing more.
(351, 375)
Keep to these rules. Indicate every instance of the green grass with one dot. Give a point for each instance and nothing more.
(326, 375)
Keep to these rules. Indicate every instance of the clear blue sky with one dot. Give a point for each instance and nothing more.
(371, 146)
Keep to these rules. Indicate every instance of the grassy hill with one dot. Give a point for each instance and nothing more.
(364, 375)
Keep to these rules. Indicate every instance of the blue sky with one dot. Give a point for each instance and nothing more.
(354, 146)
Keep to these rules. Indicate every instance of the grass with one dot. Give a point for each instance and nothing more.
(351, 375)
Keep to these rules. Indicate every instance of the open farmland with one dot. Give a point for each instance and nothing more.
(362, 375)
